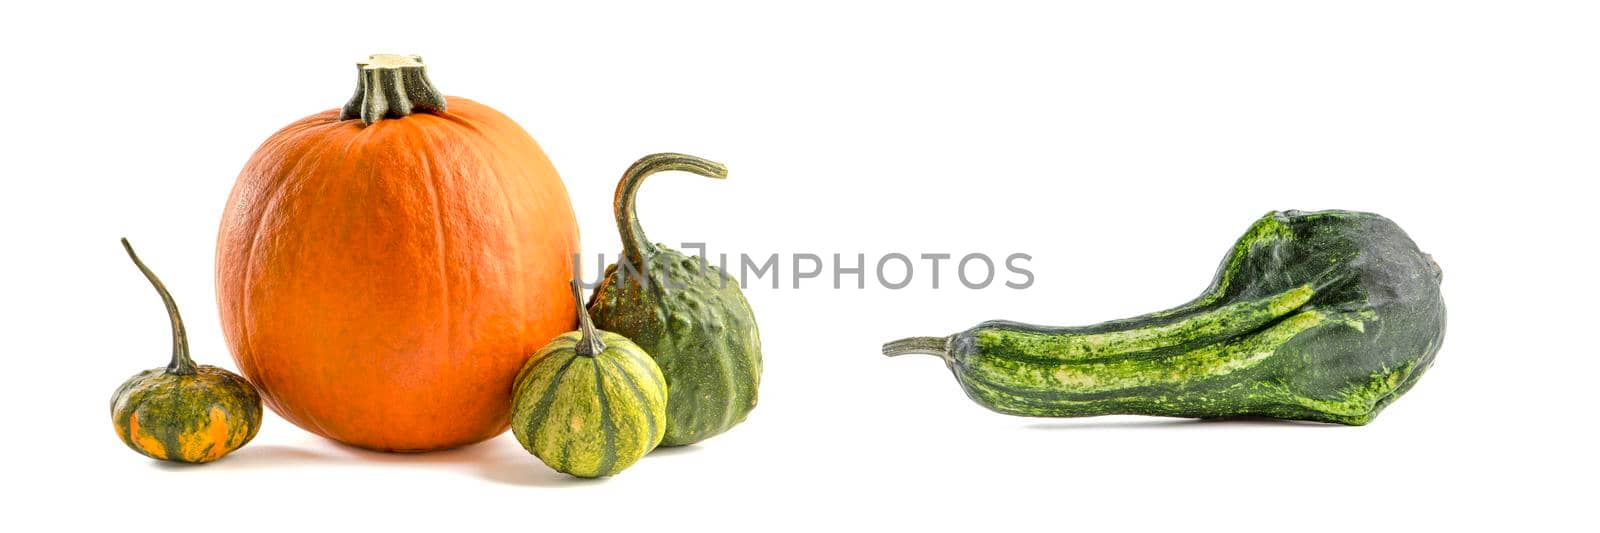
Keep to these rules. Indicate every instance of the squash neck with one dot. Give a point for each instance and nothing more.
(391, 86)
(635, 245)
(181, 363)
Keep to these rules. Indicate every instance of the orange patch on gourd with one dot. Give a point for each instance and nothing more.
(145, 443)
(210, 441)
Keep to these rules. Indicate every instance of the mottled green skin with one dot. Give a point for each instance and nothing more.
(589, 416)
(1325, 316)
(698, 327)
(190, 418)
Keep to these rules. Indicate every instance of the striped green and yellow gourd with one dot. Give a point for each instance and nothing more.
(1326, 316)
(590, 403)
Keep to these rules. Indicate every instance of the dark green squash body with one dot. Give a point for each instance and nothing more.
(702, 335)
(1325, 316)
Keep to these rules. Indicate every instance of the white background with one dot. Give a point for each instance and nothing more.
(1124, 145)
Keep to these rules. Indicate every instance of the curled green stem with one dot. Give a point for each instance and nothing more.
(634, 243)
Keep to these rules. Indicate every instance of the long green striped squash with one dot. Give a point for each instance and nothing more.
(590, 403)
(1326, 316)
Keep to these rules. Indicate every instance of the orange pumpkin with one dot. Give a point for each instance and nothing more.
(383, 271)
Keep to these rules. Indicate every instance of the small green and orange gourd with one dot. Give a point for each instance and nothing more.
(185, 412)
(591, 402)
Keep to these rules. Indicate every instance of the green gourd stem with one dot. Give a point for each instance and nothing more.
(391, 86)
(181, 363)
(918, 345)
(589, 344)
(634, 243)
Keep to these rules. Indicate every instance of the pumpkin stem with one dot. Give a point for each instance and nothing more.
(589, 344)
(391, 86)
(634, 243)
(181, 363)
(939, 346)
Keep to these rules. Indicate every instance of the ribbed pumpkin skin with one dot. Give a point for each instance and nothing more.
(193, 418)
(382, 284)
(590, 416)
